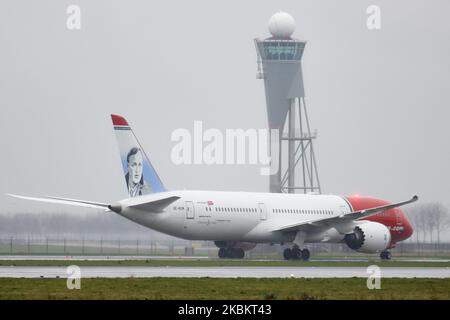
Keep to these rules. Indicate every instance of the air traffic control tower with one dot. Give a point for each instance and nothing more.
(279, 65)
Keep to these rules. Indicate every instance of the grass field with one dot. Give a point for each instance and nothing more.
(212, 288)
(221, 263)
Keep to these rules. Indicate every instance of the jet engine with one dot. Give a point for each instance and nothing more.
(369, 237)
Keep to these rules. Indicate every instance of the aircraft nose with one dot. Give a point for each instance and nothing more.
(408, 229)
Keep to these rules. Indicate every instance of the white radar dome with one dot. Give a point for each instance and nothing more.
(281, 25)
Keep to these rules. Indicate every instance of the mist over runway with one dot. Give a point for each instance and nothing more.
(222, 272)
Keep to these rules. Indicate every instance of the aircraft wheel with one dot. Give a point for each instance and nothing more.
(223, 253)
(240, 254)
(385, 255)
(305, 254)
(296, 253)
(230, 253)
(287, 254)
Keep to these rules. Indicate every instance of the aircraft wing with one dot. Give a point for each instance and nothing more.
(327, 222)
(73, 202)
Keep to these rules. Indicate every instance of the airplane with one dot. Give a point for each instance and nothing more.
(237, 221)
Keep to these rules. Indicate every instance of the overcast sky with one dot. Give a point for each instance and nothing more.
(379, 99)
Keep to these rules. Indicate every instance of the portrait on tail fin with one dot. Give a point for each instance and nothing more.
(134, 178)
(140, 176)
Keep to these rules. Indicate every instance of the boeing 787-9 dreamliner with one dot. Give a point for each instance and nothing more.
(237, 221)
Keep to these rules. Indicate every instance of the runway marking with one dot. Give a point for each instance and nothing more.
(223, 272)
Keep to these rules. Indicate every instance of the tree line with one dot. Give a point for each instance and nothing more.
(429, 221)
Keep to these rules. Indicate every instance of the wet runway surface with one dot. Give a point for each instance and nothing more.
(222, 272)
(133, 257)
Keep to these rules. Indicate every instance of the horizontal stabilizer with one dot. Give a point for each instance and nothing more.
(156, 205)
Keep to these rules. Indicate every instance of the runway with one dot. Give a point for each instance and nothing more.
(222, 272)
(134, 257)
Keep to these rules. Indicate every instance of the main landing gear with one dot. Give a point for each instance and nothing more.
(233, 253)
(385, 255)
(296, 254)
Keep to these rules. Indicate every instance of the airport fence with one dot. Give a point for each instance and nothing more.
(68, 246)
(175, 247)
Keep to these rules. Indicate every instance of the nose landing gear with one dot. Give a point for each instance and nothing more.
(385, 255)
(296, 254)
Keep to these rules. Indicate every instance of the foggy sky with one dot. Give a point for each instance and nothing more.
(379, 99)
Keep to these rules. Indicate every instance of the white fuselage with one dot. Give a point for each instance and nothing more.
(239, 216)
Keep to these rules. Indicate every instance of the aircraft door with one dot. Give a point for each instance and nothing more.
(262, 211)
(190, 211)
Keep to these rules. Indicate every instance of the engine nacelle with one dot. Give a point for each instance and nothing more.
(235, 244)
(369, 237)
